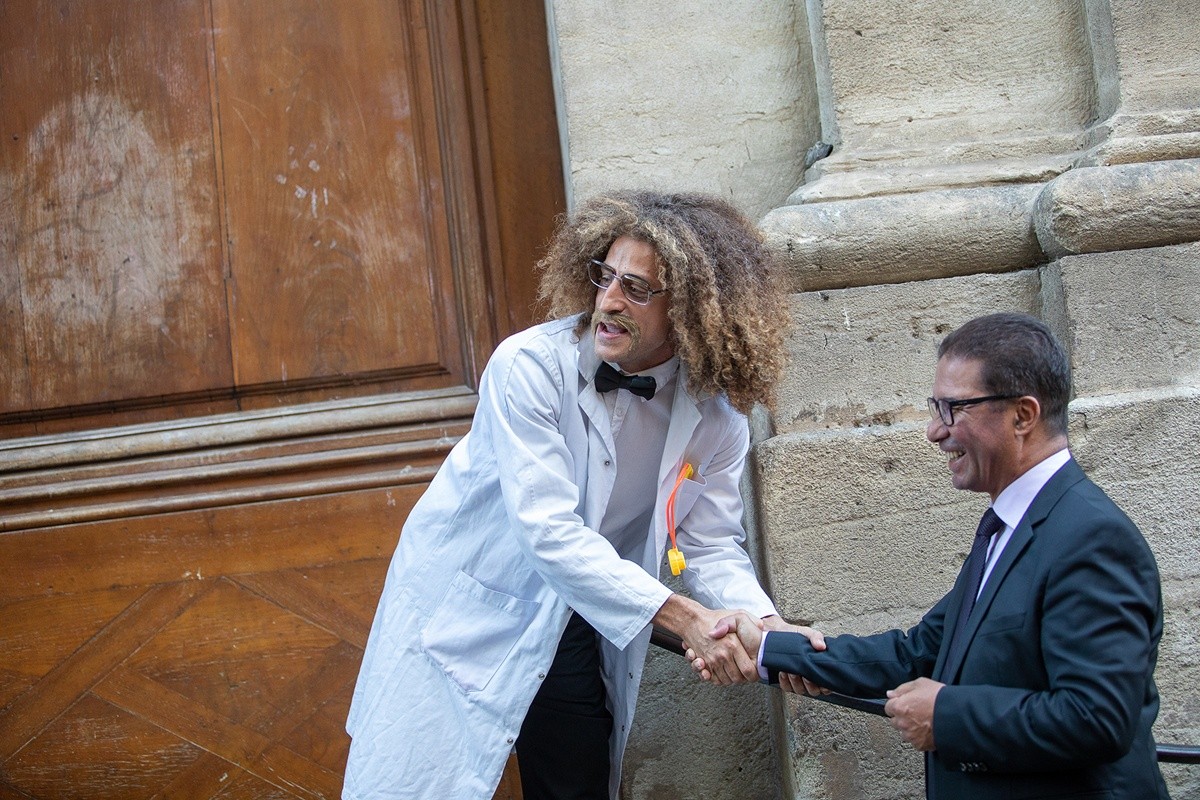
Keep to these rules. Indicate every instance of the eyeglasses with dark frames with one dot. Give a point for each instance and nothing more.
(943, 409)
(636, 289)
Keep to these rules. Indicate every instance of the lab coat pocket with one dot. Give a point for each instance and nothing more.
(473, 629)
(685, 498)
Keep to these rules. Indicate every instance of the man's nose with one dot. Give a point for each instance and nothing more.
(611, 297)
(936, 430)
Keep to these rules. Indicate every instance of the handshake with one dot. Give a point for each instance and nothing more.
(729, 652)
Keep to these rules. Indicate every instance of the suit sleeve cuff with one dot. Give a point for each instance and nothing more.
(763, 674)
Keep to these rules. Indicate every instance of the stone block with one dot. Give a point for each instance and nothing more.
(912, 74)
(866, 355)
(709, 96)
(863, 529)
(1130, 319)
(1141, 448)
(692, 739)
(927, 95)
(841, 754)
(1155, 52)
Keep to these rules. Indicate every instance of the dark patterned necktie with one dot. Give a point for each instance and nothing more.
(608, 379)
(976, 561)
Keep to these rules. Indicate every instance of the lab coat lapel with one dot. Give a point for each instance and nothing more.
(590, 401)
(685, 417)
(601, 447)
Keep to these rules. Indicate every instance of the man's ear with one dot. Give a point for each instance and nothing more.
(1029, 413)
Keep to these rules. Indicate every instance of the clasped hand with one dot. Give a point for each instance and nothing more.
(909, 706)
(744, 632)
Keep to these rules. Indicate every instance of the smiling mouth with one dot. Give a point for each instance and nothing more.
(955, 455)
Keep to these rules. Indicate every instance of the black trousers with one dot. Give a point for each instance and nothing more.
(562, 750)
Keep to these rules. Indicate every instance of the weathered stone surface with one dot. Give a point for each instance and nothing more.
(931, 95)
(1132, 320)
(905, 237)
(911, 74)
(709, 95)
(840, 754)
(692, 739)
(1097, 209)
(866, 355)
(1155, 52)
(848, 175)
(948, 121)
(1141, 447)
(863, 527)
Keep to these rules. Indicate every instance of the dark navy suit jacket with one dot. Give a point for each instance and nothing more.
(1054, 695)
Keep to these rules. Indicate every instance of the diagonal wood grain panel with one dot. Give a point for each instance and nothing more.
(95, 751)
(63, 685)
(323, 602)
(39, 633)
(211, 774)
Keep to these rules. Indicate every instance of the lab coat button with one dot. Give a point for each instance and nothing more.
(607, 463)
(541, 676)
(510, 740)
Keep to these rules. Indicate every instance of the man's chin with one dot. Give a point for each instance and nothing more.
(611, 345)
(612, 355)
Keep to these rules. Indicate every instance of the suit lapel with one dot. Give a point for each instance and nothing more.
(1022, 536)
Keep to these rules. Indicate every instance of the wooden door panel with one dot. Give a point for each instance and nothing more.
(205, 677)
(201, 638)
(41, 631)
(253, 257)
(112, 282)
(226, 685)
(334, 261)
(220, 205)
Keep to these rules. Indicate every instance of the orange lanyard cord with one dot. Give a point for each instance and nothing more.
(684, 474)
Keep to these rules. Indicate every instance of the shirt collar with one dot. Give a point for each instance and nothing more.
(1016, 498)
(662, 374)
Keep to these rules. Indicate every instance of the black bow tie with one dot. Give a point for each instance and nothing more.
(608, 379)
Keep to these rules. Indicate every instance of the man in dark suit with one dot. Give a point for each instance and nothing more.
(1033, 677)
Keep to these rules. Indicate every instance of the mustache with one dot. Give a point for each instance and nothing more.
(620, 320)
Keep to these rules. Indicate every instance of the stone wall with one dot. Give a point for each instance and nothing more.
(1035, 156)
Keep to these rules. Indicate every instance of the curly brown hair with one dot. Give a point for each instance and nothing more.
(727, 307)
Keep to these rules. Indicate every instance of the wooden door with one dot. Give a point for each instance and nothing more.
(254, 256)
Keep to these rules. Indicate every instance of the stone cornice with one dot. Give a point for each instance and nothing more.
(948, 232)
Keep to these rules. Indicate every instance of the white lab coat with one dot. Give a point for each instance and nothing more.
(500, 549)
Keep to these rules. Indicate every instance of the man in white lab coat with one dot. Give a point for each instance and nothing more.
(518, 606)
